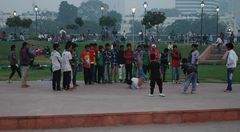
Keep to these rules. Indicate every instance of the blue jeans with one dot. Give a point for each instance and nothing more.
(163, 70)
(229, 78)
(190, 78)
(175, 73)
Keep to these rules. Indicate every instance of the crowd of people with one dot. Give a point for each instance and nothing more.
(119, 64)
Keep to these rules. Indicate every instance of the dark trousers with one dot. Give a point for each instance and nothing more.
(93, 72)
(87, 76)
(74, 72)
(100, 73)
(56, 80)
(66, 80)
(163, 70)
(145, 69)
(128, 71)
(152, 85)
(14, 68)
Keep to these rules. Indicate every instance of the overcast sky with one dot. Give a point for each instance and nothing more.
(52, 5)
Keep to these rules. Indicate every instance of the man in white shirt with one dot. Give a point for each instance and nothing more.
(66, 66)
(232, 59)
(56, 67)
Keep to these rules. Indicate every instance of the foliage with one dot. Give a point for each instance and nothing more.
(26, 23)
(79, 21)
(72, 26)
(152, 19)
(168, 12)
(67, 13)
(16, 21)
(91, 11)
(107, 21)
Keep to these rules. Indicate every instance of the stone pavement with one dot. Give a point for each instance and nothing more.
(39, 99)
(232, 126)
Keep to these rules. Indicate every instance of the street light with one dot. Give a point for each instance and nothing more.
(217, 9)
(145, 5)
(102, 9)
(133, 14)
(202, 6)
(14, 14)
(36, 11)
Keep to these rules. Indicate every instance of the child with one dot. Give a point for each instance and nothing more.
(66, 66)
(136, 83)
(100, 64)
(128, 55)
(107, 66)
(121, 63)
(145, 58)
(190, 78)
(155, 72)
(114, 62)
(74, 64)
(85, 58)
(56, 67)
(13, 62)
(164, 63)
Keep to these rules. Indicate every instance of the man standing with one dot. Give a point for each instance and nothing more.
(56, 67)
(66, 66)
(24, 62)
(176, 60)
(232, 59)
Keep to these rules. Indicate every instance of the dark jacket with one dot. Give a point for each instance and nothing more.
(24, 57)
(121, 59)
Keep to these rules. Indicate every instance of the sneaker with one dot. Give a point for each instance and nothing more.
(227, 91)
(150, 95)
(162, 95)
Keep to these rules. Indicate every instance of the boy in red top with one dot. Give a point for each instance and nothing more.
(85, 58)
(176, 60)
(92, 61)
(128, 55)
(155, 52)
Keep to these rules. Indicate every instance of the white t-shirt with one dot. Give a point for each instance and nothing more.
(134, 83)
(232, 59)
(56, 60)
(66, 57)
(195, 57)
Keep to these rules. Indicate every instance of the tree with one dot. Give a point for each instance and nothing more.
(72, 27)
(26, 23)
(79, 21)
(13, 21)
(117, 16)
(152, 19)
(90, 10)
(67, 13)
(107, 21)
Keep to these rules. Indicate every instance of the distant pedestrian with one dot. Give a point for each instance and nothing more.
(56, 60)
(155, 76)
(232, 59)
(24, 62)
(13, 63)
(66, 66)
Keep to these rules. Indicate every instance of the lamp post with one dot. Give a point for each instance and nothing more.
(217, 9)
(202, 6)
(36, 11)
(145, 5)
(133, 14)
(14, 14)
(102, 9)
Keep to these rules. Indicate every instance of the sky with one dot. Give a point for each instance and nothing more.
(53, 5)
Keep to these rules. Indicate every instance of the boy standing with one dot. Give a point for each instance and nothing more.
(194, 58)
(66, 66)
(114, 62)
(13, 62)
(85, 58)
(74, 64)
(100, 64)
(107, 59)
(56, 67)
(121, 63)
(164, 63)
(232, 59)
(128, 55)
(176, 61)
(145, 58)
(156, 77)
(24, 62)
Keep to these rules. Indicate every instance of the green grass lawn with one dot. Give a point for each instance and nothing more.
(208, 73)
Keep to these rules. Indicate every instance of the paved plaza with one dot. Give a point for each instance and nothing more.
(39, 99)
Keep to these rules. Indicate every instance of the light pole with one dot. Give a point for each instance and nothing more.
(202, 6)
(36, 11)
(14, 14)
(217, 9)
(145, 5)
(102, 9)
(133, 14)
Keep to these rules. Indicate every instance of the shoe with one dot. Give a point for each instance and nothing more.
(193, 92)
(184, 92)
(150, 95)
(162, 95)
(227, 91)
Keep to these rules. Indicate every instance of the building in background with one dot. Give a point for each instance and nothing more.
(116, 5)
(192, 7)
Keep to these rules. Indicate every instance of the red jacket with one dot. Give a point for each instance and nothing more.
(128, 55)
(92, 57)
(85, 57)
(176, 58)
(157, 55)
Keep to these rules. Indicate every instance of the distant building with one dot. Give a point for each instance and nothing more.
(192, 7)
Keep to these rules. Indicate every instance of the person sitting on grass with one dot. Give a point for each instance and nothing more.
(136, 83)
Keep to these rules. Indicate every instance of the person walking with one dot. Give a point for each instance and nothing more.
(176, 63)
(231, 59)
(13, 63)
(56, 61)
(155, 76)
(66, 66)
(24, 62)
